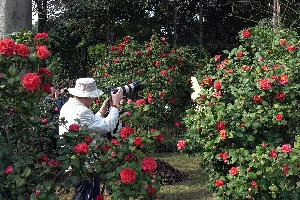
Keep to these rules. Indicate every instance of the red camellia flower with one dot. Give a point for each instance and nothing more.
(219, 183)
(115, 142)
(149, 165)
(22, 50)
(283, 79)
(7, 47)
(81, 148)
(88, 139)
(217, 58)
(31, 82)
(285, 169)
(74, 127)
(127, 176)
(265, 84)
(43, 159)
(181, 144)
(163, 72)
(220, 126)
(273, 153)
(159, 138)
(280, 96)
(286, 148)
(257, 99)
(9, 169)
(150, 190)
(43, 36)
(128, 157)
(282, 42)
(240, 54)
(42, 52)
(217, 85)
(245, 67)
(157, 63)
(222, 134)
(233, 171)
(125, 132)
(53, 163)
(44, 72)
(246, 33)
(253, 183)
(278, 117)
(177, 124)
(93, 70)
(99, 197)
(138, 141)
(46, 87)
(172, 101)
(291, 48)
(105, 148)
(140, 102)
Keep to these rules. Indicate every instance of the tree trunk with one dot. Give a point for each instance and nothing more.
(42, 14)
(175, 23)
(276, 13)
(200, 25)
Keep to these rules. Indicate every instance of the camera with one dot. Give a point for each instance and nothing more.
(127, 89)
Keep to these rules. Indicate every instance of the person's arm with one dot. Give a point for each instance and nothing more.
(100, 124)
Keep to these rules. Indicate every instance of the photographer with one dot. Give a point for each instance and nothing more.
(85, 93)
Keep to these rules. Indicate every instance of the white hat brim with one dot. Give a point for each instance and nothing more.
(79, 93)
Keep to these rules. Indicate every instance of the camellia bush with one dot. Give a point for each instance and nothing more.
(36, 163)
(247, 117)
(165, 73)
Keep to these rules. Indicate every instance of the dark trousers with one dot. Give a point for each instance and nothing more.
(86, 190)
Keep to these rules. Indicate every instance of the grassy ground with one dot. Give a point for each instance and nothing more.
(193, 189)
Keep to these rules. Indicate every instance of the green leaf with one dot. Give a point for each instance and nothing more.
(27, 172)
(75, 162)
(20, 182)
(74, 180)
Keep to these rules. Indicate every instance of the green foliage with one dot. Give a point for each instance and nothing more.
(249, 107)
(164, 71)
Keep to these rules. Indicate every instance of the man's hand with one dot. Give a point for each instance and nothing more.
(104, 106)
(116, 98)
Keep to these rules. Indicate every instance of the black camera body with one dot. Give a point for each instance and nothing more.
(127, 89)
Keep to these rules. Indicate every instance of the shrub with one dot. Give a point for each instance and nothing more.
(164, 71)
(248, 117)
(33, 166)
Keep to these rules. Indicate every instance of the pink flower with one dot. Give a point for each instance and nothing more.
(163, 72)
(9, 169)
(128, 114)
(245, 67)
(181, 144)
(217, 58)
(129, 101)
(278, 117)
(42, 52)
(140, 102)
(233, 171)
(286, 148)
(291, 48)
(38, 192)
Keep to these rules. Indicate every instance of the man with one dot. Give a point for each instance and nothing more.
(85, 93)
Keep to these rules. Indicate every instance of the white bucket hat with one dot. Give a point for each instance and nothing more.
(85, 87)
